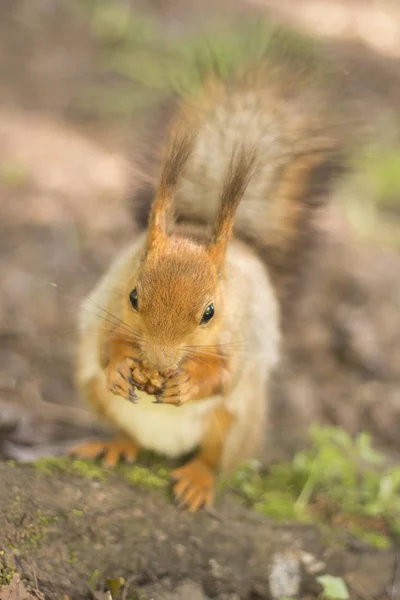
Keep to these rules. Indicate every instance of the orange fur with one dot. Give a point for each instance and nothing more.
(244, 161)
(177, 279)
(179, 149)
(195, 481)
(111, 451)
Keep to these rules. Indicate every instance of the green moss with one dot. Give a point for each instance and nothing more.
(6, 575)
(7, 570)
(153, 476)
(30, 528)
(34, 532)
(82, 468)
(142, 476)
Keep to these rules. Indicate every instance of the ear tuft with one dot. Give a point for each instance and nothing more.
(239, 172)
(178, 152)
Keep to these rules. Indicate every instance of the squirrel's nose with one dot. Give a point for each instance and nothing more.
(162, 360)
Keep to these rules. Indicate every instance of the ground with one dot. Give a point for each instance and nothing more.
(65, 533)
(66, 163)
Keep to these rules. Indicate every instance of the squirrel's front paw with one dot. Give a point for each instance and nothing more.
(147, 379)
(179, 389)
(120, 381)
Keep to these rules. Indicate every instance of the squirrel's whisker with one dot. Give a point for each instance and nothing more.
(107, 312)
(201, 347)
(200, 360)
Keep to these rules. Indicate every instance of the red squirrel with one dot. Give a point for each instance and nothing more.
(192, 332)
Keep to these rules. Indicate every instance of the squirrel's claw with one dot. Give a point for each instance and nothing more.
(110, 450)
(194, 487)
(133, 396)
(182, 391)
(120, 381)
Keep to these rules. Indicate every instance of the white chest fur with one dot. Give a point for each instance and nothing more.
(168, 430)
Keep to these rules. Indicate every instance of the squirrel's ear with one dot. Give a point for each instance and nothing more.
(178, 151)
(238, 174)
(161, 213)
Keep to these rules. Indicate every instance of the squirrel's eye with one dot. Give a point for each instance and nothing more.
(133, 297)
(208, 314)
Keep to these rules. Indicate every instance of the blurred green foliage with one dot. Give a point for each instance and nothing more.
(345, 475)
(149, 64)
(145, 64)
(334, 588)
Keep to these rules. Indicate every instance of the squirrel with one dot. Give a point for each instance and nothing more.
(189, 334)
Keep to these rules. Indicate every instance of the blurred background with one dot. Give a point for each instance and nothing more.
(79, 82)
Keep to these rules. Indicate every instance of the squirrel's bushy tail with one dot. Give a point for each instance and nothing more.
(288, 110)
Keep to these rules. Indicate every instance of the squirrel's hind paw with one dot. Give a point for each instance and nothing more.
(194, 487)
(111, 451)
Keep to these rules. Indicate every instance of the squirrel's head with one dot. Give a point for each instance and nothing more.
(175, 302)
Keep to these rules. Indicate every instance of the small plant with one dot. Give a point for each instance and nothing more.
(351, 474)
(337, 480)
(334, 588)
